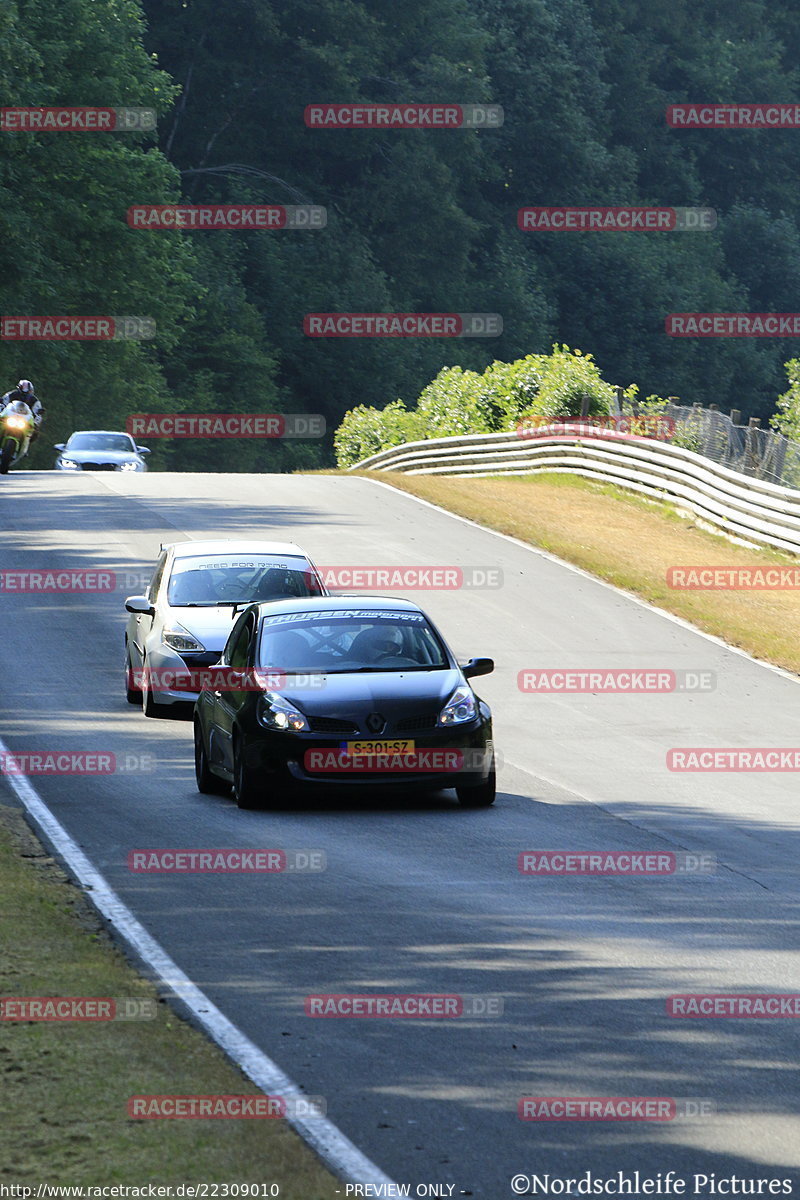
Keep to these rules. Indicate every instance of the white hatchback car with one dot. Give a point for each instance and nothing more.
(184, 618)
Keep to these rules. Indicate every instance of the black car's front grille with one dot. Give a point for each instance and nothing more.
(87, 466)
(412, 723)
(331, 725)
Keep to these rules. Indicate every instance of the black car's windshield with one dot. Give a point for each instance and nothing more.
(102, 441)
(344, 642)
(239, 579)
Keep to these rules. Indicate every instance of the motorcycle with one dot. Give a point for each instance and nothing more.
(16, 427)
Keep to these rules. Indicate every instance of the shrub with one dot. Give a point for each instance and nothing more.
(365, 431)
(567, 378)
(787, 419)
(451, 404)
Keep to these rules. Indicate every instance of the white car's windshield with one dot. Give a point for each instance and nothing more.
(101, 441)
(239, 579)
(350, 642)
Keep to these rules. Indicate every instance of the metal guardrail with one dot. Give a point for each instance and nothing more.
(745, 507)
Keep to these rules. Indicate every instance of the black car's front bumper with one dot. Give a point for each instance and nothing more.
(461, 756)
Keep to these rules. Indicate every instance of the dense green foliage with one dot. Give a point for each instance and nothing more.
(505, 397)
(417, 221)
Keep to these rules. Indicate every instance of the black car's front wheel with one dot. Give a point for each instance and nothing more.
(248, 785)
(207, 783)
(481, 795)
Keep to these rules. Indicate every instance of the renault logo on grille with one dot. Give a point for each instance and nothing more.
(375, 723)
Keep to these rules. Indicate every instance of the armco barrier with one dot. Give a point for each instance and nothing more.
(743, 507)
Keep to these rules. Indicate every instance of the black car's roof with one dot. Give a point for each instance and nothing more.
(323, 604)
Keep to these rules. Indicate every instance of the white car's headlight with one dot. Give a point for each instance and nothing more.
(69, 464)
(178, 638)
(461, 707)
(129, 466)
(274, 712)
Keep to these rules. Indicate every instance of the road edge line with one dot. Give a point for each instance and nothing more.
(335, 1150)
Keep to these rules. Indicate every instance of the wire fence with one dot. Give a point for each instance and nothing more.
(760, 453)
(749, 449)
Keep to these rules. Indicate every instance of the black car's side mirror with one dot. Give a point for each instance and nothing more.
(60, 446)
(140, 604)
(478, 666)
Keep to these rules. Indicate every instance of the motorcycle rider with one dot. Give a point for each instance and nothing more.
(24, 391)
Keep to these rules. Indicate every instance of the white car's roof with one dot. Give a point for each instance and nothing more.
(113, 432)
(231, 546)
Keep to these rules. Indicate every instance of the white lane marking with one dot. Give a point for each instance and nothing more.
(662, 612)
(336, 1151)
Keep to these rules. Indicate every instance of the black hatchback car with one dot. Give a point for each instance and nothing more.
(339, 691)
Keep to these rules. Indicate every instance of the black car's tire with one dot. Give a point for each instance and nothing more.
(149, 706)
(248, 785)
(207, 783)
(481, 795)
(6, 455)
(132, 694)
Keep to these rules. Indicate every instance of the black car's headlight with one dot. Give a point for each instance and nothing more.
(276, 713)
(460, 708)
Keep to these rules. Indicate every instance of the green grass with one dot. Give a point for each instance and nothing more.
(65, 1085)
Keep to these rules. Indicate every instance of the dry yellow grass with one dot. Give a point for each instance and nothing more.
(631, 542)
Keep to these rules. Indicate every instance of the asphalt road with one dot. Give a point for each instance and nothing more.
(420, 895)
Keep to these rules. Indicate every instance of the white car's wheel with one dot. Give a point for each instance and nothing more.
(149, 705)
(133, 694)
